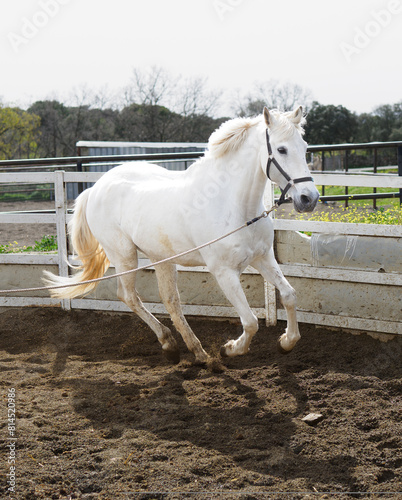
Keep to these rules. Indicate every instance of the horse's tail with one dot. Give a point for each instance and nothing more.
(89, 251)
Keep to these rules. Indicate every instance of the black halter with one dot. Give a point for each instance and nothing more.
(291, 182)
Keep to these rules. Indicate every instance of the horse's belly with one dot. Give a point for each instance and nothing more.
(163, 240)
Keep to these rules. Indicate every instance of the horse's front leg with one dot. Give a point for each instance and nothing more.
(270, 270)
(229, 281)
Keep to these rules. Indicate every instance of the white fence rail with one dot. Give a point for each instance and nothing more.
(263, 298)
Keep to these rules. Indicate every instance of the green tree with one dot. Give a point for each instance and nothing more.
(197, 128)
(147, 123)
(388, 119)
(52, 115)
(367, 128)
(329, 124)
(383, 124)
(62, 126)
(19, 132)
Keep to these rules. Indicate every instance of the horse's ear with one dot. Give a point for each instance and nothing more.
(268, 117)
(297, 115)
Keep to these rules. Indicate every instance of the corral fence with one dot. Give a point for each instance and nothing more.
(101, 156)
(345, 275)
(374, 157)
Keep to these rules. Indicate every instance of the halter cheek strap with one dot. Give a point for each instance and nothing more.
(291, 182)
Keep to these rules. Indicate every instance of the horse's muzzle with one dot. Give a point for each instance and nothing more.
(306, 201)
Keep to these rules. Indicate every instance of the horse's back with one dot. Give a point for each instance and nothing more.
(138, 171)
(131, 184)
(139, 200)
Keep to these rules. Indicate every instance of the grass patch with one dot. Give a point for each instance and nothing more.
(48, 243)
(32, 196)
(356, 214)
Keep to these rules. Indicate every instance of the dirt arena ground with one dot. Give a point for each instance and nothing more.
(101, 414)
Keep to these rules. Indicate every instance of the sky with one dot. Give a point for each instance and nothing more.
(346, 52)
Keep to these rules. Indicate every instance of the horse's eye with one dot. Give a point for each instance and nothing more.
(282, 151)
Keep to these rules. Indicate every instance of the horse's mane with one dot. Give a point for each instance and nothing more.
(231, 135)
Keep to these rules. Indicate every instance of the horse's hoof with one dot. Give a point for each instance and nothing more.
(215, 366)
(228, 350)
(281, 349)
(173, 356)
(201, 359)
(223, 352)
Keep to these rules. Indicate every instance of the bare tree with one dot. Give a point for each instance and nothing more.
(80, 96)
(194, 98)
(157, 87)
(158, 106)
(105, 98)
(151, 87)
(273, 94)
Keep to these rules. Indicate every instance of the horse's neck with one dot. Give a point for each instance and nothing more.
(246, 181)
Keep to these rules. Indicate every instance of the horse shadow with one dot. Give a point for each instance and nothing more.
(236, 422)
(240, 428)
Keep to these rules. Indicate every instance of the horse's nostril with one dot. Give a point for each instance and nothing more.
(306, 200)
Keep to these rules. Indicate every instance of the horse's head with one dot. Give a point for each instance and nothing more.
(284, 158)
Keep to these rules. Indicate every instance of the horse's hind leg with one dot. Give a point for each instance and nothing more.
(270, 270)
(127, 293)
(167, 282)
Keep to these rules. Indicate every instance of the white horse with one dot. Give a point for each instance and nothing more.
(139, 206)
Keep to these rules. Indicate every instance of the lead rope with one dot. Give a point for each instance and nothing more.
(163, 261)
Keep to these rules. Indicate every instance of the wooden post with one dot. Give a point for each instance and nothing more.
(322, 169)
(61, 221)
(400, 170)
(271, 316)
(269, 290)
(375, 171)
(346, 171)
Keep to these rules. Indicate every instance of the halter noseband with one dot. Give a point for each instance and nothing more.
(291, 182)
